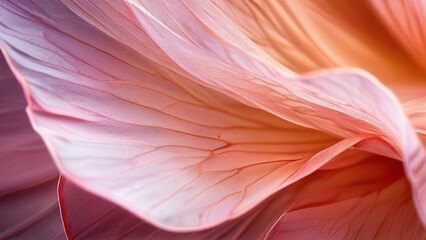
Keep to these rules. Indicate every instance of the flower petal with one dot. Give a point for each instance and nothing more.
(116, 19)
(88, 216)
(101, 90)
(345, 204)
(313, 34)
(340, 93)
(28, 177)
(301, 35)
(200, 35)
(416, 112)
(407, 21)
(342, 102)
(147, 138)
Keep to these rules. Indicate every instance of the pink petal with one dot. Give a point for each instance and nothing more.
(116, 19)
(149, 139)
(128, 129)
(416, 112)
(345, 204)
(342, 102)
(196, 24)
(87, 216)
(28, 177)
(312, 100)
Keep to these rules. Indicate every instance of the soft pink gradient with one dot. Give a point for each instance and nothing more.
(180, 120)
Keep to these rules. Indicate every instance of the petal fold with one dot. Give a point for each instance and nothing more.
(310, 35)
(359, 102)
(212, 128)
(87, 216)
(147, 138)
(344, 204)
(366, 198)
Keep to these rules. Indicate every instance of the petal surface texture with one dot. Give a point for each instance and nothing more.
(150, 139)
(407, 21)
(87, 216)
(416, 111)
(28, 177)
(348, 205)
(309, 34)
(202, 118)
(357, 99)
(329, 204)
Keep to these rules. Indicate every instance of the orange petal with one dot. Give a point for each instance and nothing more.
(406, 20)
(314, 34)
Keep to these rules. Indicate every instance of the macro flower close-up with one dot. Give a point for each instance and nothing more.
(213, 119)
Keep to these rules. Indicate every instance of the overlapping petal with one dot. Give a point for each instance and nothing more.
(88, 216)
(148, 138)
(321, 96)
(344, 204)
(166, 106)
(360, 102)
(330, 204)
(219, 40)
(28, 176)
(416, 112)
(308, 35)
